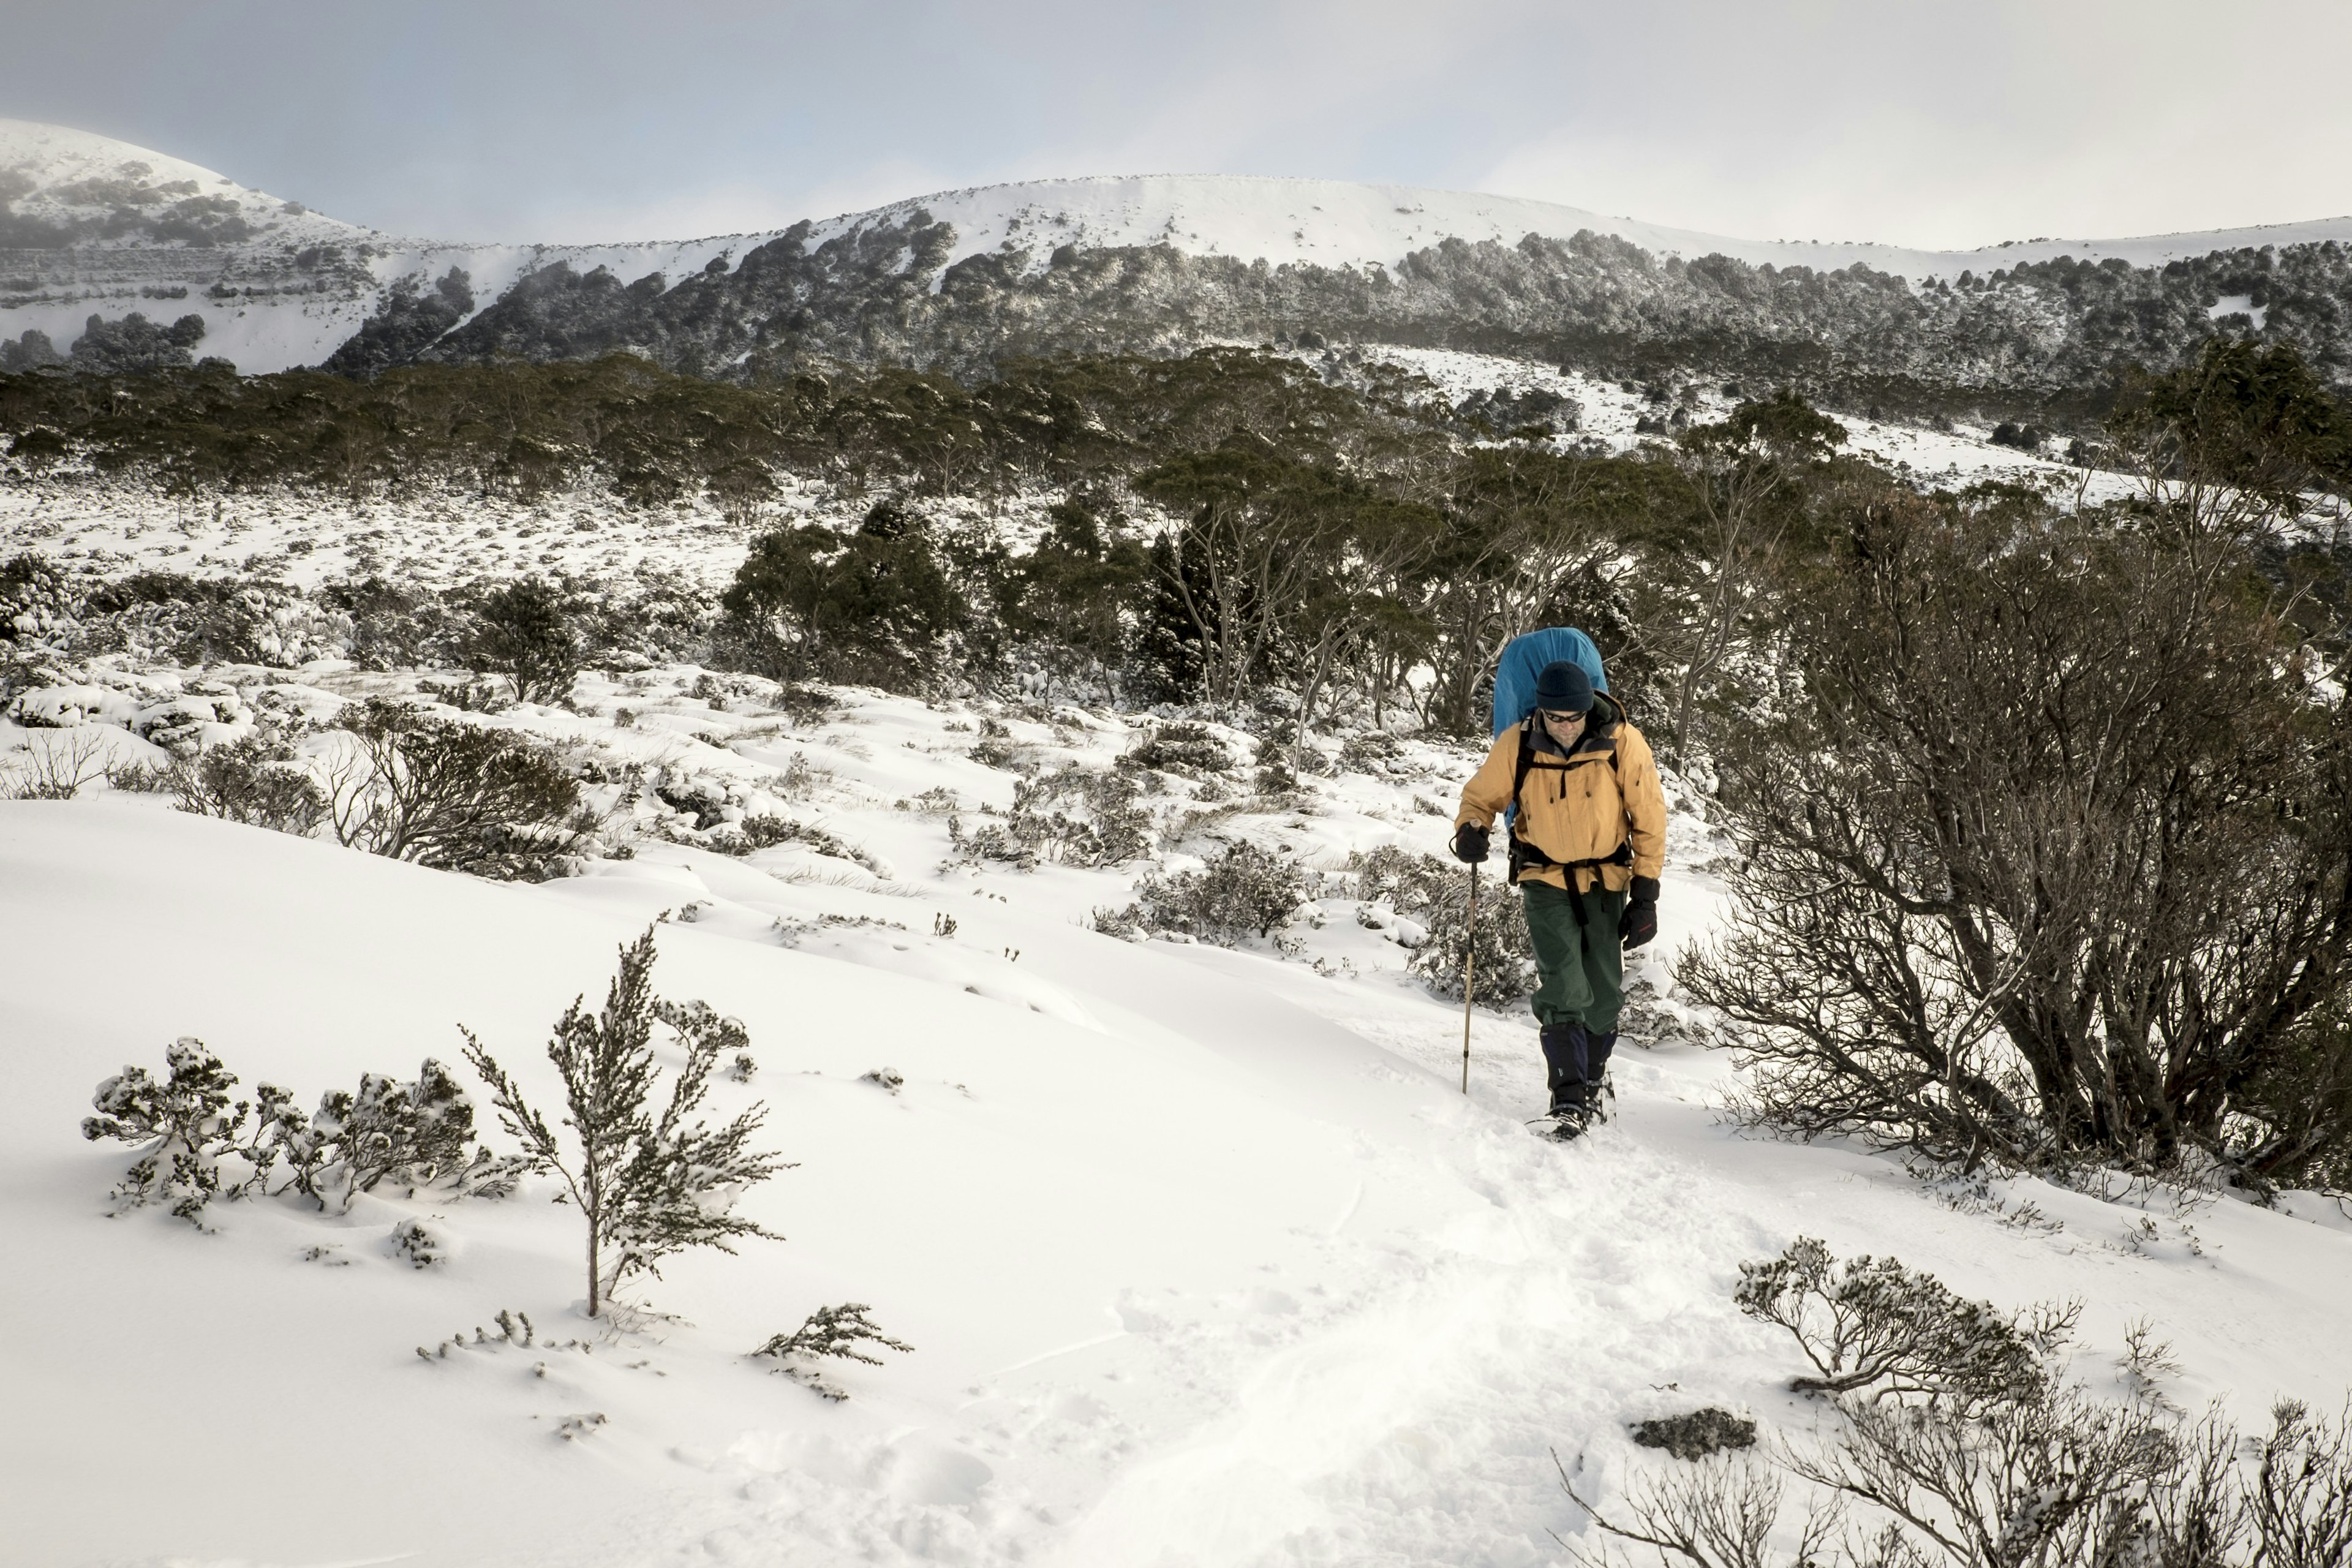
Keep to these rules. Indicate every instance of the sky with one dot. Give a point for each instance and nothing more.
(1934, 125)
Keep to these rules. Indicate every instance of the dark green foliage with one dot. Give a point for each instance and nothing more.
(865, 607)
(252, 780)
(1695, 1434)
(135, 344)
(524, 631)
(841, 1333)
(1076, 590)
(2230, 442)
(29, 352)
(408, 321)
(452, 794)
(647, 1183)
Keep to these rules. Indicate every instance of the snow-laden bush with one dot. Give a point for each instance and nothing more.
(253, 780)
(1243, 890)
(647, 1185)
(413, 1134)
(184, 1124)
(1186, 749)
(1435, 894)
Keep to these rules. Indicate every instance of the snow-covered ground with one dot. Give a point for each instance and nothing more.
(437, 534)
(1205, 1257)
(1610, 411)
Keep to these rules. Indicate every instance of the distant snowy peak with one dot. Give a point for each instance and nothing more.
(60, 187)
(1334, 223)
(116, 258)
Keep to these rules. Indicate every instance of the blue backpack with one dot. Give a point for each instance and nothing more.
(1523, 659)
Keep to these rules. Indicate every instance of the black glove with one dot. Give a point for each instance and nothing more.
(1640, 921)
(1470, 844)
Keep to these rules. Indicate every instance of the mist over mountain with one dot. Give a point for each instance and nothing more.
(116, 258)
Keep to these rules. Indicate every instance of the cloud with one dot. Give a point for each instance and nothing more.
(1908, 121)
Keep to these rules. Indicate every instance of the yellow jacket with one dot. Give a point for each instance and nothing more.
(1578, 806)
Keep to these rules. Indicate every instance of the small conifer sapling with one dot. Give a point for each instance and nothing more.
(647, 1185)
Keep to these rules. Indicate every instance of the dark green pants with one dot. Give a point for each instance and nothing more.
(1580, 966)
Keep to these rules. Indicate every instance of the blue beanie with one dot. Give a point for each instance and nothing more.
(1564, 688)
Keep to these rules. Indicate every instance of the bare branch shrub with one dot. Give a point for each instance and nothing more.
(1981, 1460)
(55, 766)
(446, 794)
(2052, 858)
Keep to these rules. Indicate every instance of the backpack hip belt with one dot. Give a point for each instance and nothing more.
(1525, 856)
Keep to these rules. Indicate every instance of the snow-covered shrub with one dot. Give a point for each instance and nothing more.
(417, 1244)
(997, 748)
(395, 625)
(185, 1124)
(413, 1134)
(182, 723)
(1435, 894)
(647, 1185)
(840, 1333)
(40, 606)
(1183, 748)
(65, 707)
(1871, 1324)
(462, 796)
(1369, 752)
(1242, 890)
(253, 780)
(991, 842)
(1113, 827)
(211, 620)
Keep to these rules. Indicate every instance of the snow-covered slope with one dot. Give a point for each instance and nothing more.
(1333, 223)
(90, 225)
(1205, 1258)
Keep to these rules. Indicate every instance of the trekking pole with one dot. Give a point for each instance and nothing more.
(1469, 974)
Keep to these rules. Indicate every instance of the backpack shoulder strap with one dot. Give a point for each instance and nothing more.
(1527, 759)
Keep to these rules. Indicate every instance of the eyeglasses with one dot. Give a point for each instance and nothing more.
(1563, 719)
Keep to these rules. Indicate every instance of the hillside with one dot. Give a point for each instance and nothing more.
(1204, 1257)
(961, 279)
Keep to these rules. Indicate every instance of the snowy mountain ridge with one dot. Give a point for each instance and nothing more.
(91, 225)
(1285, 221)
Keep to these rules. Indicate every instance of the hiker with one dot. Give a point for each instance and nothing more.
(1587, 843)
